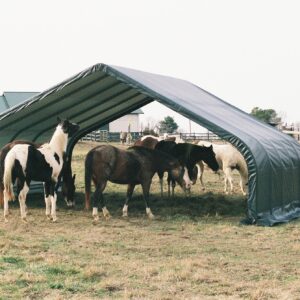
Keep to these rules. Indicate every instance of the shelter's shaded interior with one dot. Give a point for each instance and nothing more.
(103, 93)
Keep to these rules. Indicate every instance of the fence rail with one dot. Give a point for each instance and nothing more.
(105, 136)
(209, 136)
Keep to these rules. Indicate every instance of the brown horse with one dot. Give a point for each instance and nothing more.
(68, 181)
(150, 141)
(133, 166)
(189, 155)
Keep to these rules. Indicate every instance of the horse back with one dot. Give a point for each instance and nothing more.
(148, 142)
(116, 165)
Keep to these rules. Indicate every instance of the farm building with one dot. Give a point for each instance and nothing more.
(273, 158)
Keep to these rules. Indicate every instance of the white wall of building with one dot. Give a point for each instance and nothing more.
(122, 124)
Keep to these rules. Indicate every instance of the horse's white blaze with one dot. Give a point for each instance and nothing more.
(186, 178)
(125, 210)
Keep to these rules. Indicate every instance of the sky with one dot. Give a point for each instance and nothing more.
(245, 52)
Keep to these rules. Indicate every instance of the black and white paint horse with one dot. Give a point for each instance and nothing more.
(188, 155)
(68, 179)
(25, 163)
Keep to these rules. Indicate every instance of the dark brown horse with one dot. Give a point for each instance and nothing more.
(150, 141)
(188, 155)
(68, 181)
(133, 166)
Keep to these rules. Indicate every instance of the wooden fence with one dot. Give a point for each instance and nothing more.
(105, 136)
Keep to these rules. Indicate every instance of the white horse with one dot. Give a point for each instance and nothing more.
(25, 163)
(167, 137)
(158, 138)
(228, 158)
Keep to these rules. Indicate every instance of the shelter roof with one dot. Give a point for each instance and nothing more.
(103, 93)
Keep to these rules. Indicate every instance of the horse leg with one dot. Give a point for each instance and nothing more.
(5, 205)
(169, 179)
(242, 185)
(105, 211)
(23, 189)
(200, 166)
(228, 178)
(243, 182)
(146, 187)
(47, 199)
(130, 189)
(161, 177)
(53, 198)
(98, 199)
(173, 187)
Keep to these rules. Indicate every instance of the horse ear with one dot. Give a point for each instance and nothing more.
(74, 177)
(210, 147)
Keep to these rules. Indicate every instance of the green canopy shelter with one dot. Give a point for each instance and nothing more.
(103, 93)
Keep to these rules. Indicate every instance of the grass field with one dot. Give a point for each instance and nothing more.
(194, 249)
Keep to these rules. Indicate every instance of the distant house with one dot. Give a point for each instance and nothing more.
(126, 123)
(130, 122)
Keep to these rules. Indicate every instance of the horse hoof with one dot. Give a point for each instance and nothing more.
(96, 220)
(48, 217)
(5, 220)
(151, 217)
(107, 217)
(54, 220)
(24, 220)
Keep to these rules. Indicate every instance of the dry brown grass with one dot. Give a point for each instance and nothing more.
(194, 249)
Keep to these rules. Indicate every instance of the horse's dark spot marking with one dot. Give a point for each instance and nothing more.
(57, 158)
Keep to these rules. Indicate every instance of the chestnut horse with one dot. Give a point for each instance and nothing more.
(133, 166)
(150, 141)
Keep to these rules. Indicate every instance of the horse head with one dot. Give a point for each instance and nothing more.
(180, 174)
(209, 157)
(68, 127)
(68, 190)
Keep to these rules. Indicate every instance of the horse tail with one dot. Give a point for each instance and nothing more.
(88, 178)
(7, 176)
